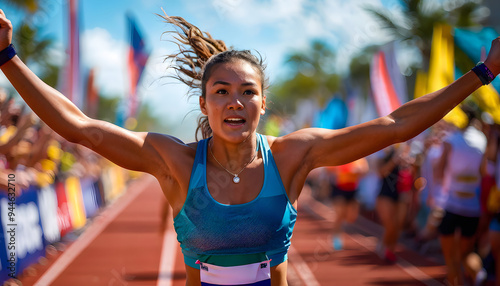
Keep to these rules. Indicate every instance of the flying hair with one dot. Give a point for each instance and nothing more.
(195, 49)
(198, 53)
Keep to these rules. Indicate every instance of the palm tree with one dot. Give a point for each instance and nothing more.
(359, 69)
(311, 76)
(416, 27)
(420, 17)
(31, 46)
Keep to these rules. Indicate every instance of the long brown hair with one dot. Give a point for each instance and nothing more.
(198, 54)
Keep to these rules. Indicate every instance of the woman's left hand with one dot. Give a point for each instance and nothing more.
(493, 59)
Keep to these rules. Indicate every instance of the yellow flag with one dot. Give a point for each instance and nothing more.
(442, 70)
(487, 99)
(75, 202)
(420, 84)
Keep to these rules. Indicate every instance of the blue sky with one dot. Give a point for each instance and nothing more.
(272, 27)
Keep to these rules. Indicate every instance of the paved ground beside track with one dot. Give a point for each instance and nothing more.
(126, 246)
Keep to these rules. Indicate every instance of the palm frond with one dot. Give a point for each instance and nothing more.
(398, 31)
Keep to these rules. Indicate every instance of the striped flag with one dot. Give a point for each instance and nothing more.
(72, 83)
(383, 89)
(92, 94)
(398, 79)
(137, 59)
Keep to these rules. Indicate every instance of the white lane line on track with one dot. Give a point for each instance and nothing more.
(167, 258)
(92, 232)
(301, 268)
(320, 209)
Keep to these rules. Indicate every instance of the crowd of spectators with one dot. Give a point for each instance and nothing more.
(34, 153)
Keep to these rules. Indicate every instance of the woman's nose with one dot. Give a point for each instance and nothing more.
(235, 103)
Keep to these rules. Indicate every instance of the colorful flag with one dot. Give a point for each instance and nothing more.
(333, 116)
(75, 202)
(71, 83)
(92, 94)
(137, 59)
(383, 90)
(442, 70)
(421, 81)
(398, 79)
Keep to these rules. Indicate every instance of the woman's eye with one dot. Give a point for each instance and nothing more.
(249, 92)
(221, 91)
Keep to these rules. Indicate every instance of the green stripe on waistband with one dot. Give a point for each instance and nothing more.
(232, 260)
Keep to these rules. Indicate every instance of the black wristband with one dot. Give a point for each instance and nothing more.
(7, 54)
(483, 73)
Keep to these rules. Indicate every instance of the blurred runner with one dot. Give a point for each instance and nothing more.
(459, 171)
(394, 197)
(344, 187)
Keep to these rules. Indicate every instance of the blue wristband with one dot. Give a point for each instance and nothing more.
(7, 54)
(483, 73)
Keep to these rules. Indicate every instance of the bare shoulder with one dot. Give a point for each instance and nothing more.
(294, 142)
(172, 151)
(168, 141)
(291, 151)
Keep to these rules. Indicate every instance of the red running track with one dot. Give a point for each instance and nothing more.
(126, 245)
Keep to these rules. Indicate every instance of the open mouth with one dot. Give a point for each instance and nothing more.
(235, 121)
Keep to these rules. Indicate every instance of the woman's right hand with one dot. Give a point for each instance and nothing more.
(5, 31)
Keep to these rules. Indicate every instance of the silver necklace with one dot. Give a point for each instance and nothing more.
(236, 178)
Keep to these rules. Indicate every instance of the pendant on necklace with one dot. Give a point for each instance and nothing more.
(236, 179)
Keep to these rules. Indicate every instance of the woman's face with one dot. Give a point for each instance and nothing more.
(234, 100)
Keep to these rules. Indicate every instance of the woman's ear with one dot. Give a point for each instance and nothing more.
(263, 107)
(203, 105)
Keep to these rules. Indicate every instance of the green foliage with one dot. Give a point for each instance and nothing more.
(359, 68)
(107, 108)
(419, 19)
(416, 27)
(50, 74)
(147, 121)
(312, 76)
(468, 14)
(34, 49)
(30, 45)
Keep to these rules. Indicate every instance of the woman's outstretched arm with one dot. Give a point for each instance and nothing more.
(132, 150)
(323, 147)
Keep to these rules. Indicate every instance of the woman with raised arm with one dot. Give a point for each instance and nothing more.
(234, 193)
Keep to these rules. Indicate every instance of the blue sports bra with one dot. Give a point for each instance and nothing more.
(263, 225)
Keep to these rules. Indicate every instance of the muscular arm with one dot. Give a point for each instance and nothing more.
(332, 147)
(131, 150)
(301, 151)
(322, 147)
(127, 149)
